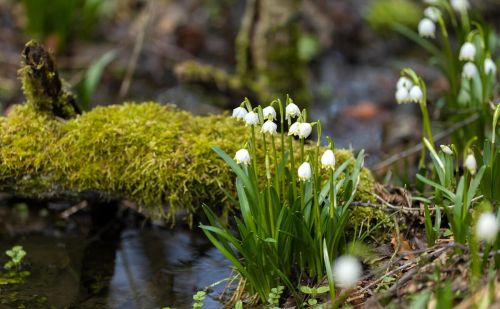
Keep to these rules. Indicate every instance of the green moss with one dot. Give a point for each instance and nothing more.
(151, 154)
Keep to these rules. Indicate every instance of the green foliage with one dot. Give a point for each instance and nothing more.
(16, 255)
(13, 273)
(273, 299)
(283, 225)
(92, 77)
(467, 96)
(62, 18)
(382, 15)
(198, 298)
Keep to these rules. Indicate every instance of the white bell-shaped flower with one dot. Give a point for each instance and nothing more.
(239, 113)
(346, 271)
(292, 111)
(426, 28)
(460, 5)
(489, 66)
(269, 127)
(251, 119)
(269, 113)
(305, 129)
(467, 52)
(432, 13)
(416, 94)
(446, 149)
(487, 227)
(304, 172)
(469, 71)
(402, 95)
(404, 82)
(470, 164)
(328, 159)
(242, 157)
(294, 129)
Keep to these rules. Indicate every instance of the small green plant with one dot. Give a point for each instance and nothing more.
(274, 297)
(312, 292)
(13, 273)
(16, 255)
(198, 298)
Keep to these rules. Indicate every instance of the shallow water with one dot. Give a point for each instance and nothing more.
(138, 267)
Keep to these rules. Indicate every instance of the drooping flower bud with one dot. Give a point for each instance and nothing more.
(471, 164)
(446, 149)
(269, 127)
(432, 13)
(469, 71)
(305, 129)
(239, 113)
(402, 95)
(294, 129)
(242, 156)
(292, 111)
(427, 28)
(404, 82)
(346, 271)
(467, 52)
(269, 113)
(416, 94)
(304, 172)
(251, 119)
(487, 227)
(489, 66)
(460, 5)
(328, 159)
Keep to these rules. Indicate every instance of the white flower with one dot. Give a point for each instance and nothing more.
(269, 127)
(269, 113)
(242, 157)
(489, 66)
(426, 28)
(404, 82)
(487, 227)
(304, 171)
(328, 159)
(432, 13)
(251, 119)
(446, 149)
(467, 52)
(402, 95)
(292, 110)
(305, 129)
(460, 5)
(469, 71)
(471, 164)
(416, 94)
(346, 271)
(294, 129)
(239, 113)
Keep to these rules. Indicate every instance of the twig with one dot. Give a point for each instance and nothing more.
(139, 42)
(415, 149)
(74, 209)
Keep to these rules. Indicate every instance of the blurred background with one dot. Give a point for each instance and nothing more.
(339, 58)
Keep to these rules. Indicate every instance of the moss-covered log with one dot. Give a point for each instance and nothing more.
(152, 154)
(155, 155)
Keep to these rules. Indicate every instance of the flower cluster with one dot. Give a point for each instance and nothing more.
(407, 91)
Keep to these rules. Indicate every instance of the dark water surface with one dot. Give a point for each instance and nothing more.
(132, 266)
